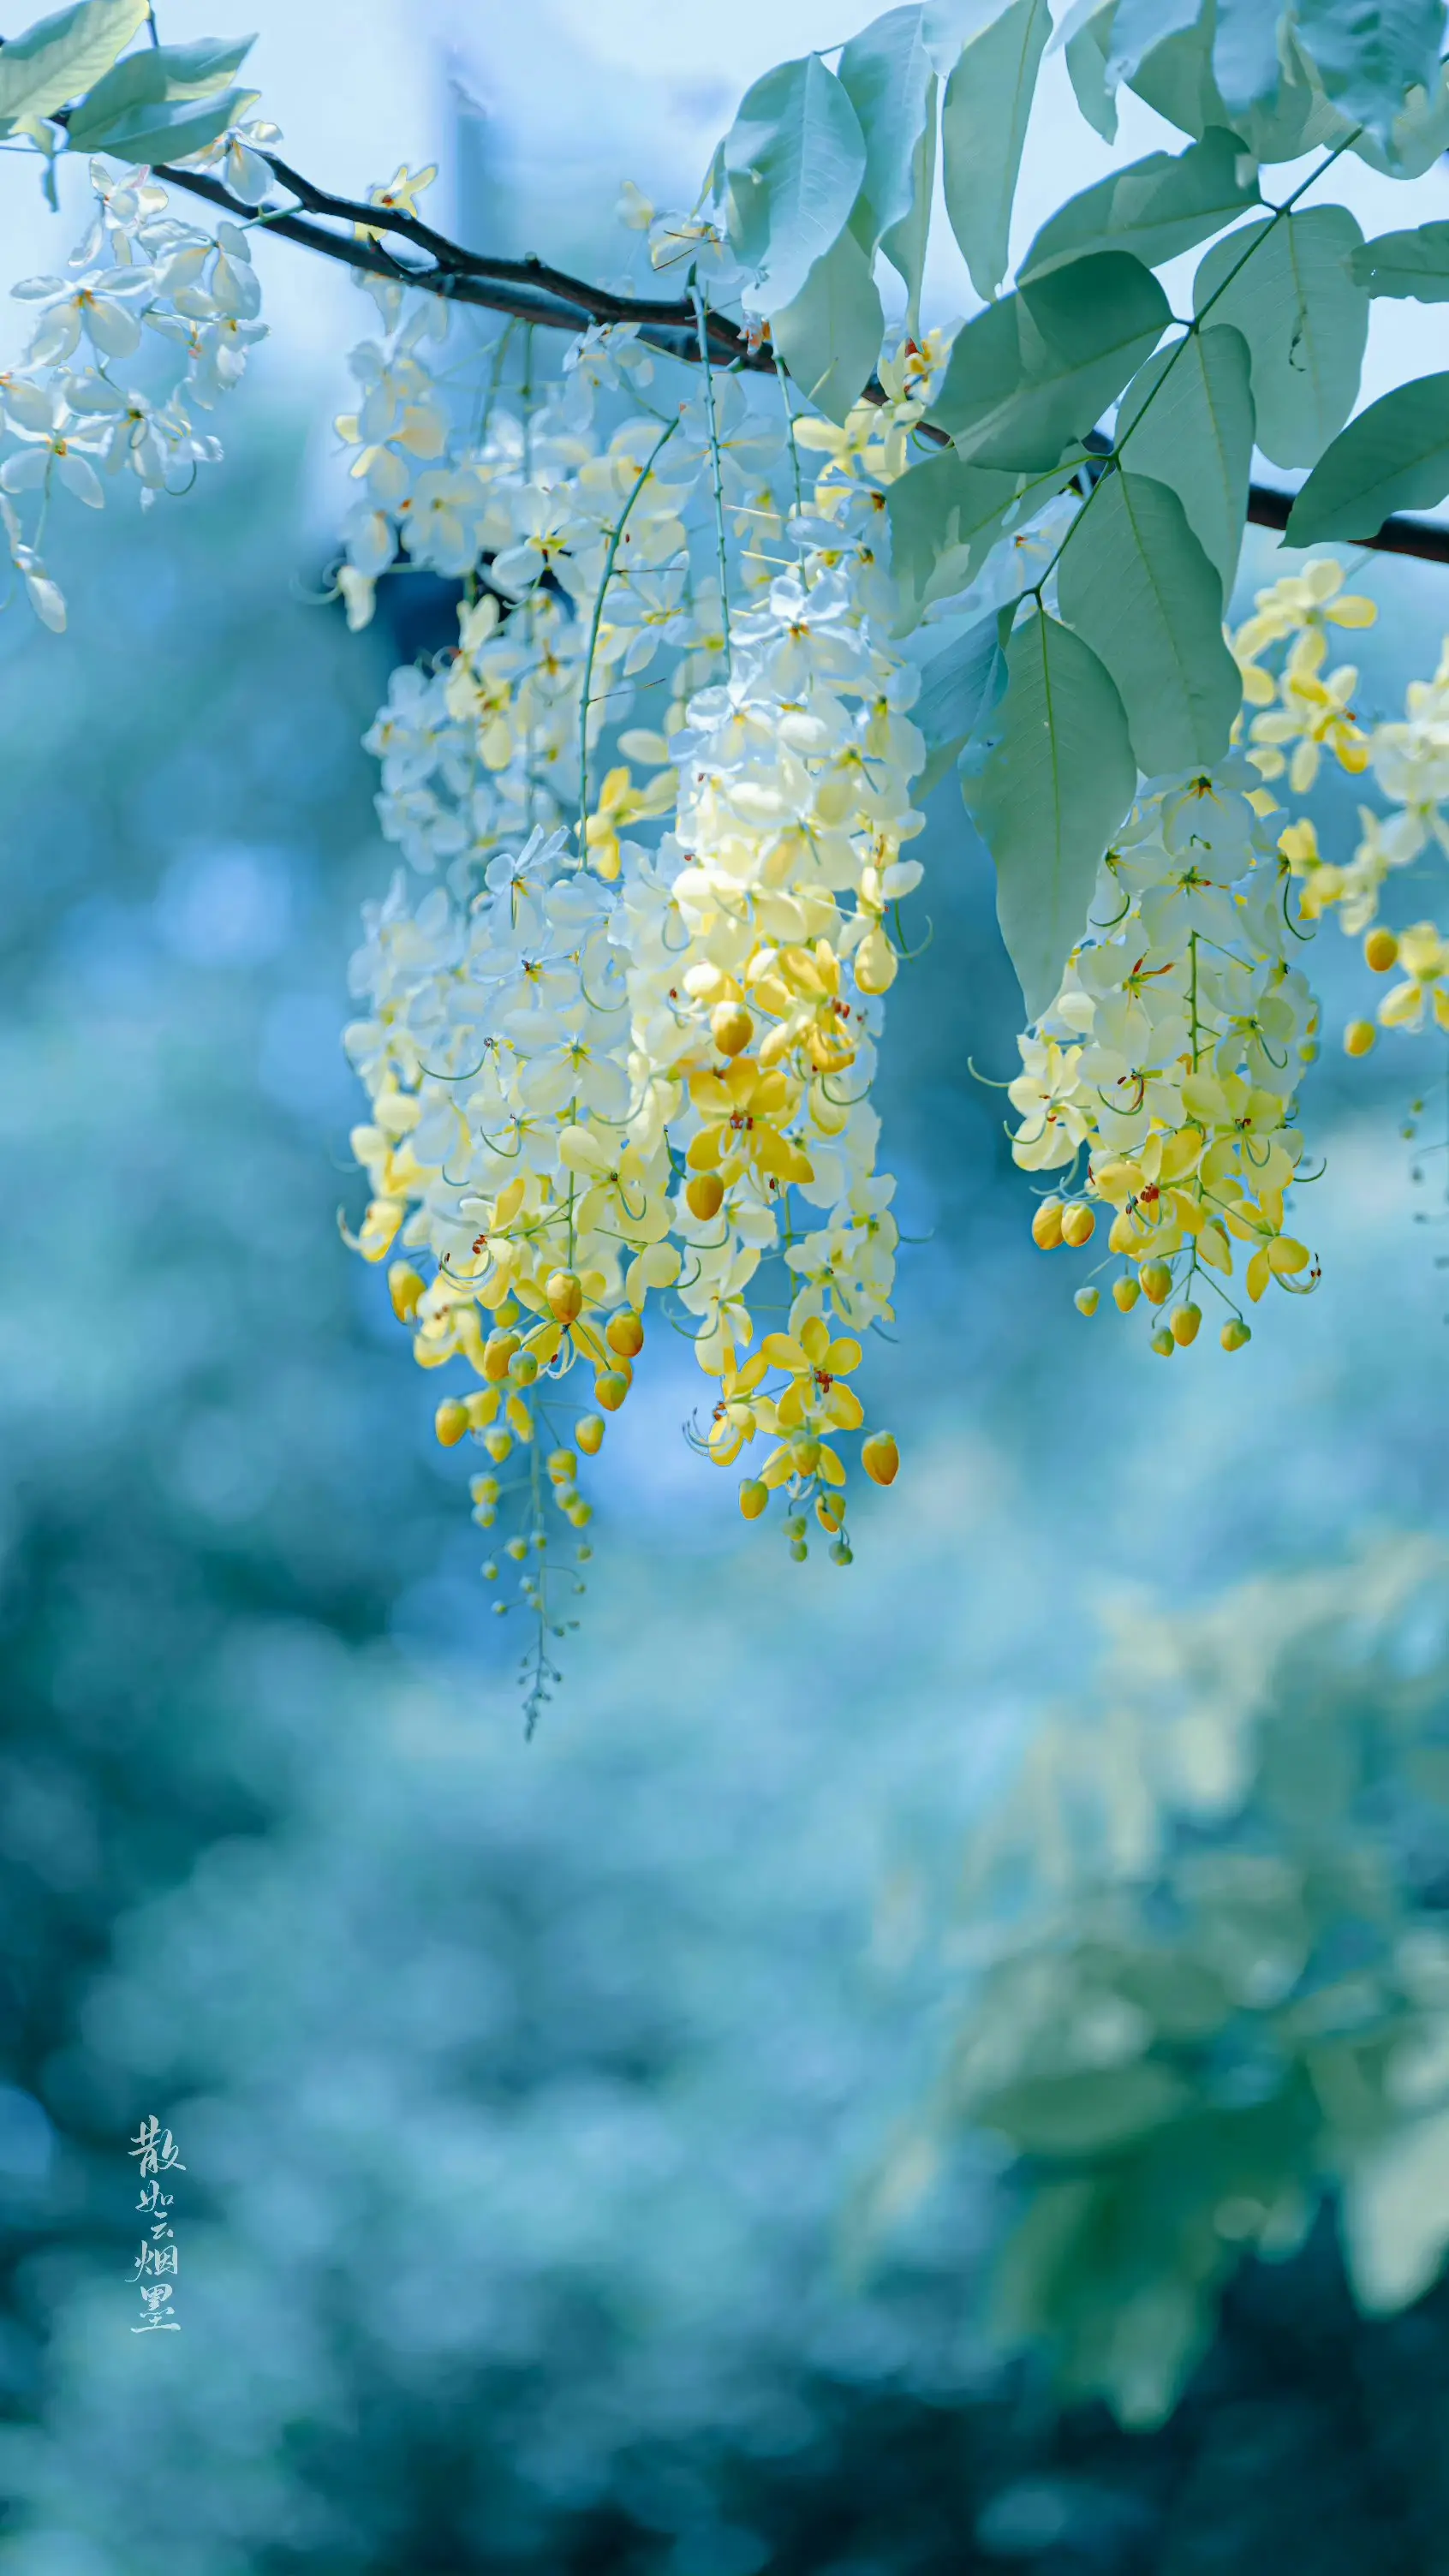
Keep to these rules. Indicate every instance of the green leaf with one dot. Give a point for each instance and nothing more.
(793, 162)
(1197, 435)
(1039, 369)
(1176, 78)
(961, 686)
(944, 518)
(158, 72)
(1305, 320)
(1086, 52)
(983, 128)
(1049, 797)
(1139, 25)
(1245, 58)
(169, 129)
(887, 75)
(1411, 263)
(1156, 208)
(58, 58)
(1136, 585)
(1395, 456)
(830, 336)
(1369, 54)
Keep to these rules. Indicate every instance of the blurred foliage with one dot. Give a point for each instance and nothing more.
(1221, 1987)
(522, 2094)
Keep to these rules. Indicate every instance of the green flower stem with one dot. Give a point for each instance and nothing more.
(586, 695)
(719, 521)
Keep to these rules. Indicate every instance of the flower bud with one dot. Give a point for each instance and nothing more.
(562, 1465)
(1086, 1301)
(754, 1494)
(1184, 1321)
(805, 1453)
(610, 1388)
(1156, 1279)
(624, 1334)
(498, 1443)
(450, 1421)
(580, 1513)
(704, 1195)
(1046, 1225)
(490, 1571)
(498, 1352)
(1358, 1037)
(524, 1368)
(880, 1458)
(829, 1511)
(1163, 1343)
(564, 1293)
(1234, 1333)
(480, 1407)
(589, 1433)
(1125, 1293)
(517, 1548)
(731, 1027)
(1078, 1224)
(1380, 950)
(405, 1287)
(484, 1490)
(840, 1554)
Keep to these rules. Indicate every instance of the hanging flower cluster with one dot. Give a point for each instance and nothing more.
(1409, 763)
(623, 1049)
(1169, 1062)
(96, 397)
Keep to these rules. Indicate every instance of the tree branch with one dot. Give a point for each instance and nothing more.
(532, 291)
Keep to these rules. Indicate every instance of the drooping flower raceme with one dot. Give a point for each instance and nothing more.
(623, 1047)
(1168, 1064)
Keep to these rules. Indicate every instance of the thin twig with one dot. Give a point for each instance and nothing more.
(532, 291)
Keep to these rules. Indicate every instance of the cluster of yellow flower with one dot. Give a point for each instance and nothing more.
(600, 1070)
(1409, 761)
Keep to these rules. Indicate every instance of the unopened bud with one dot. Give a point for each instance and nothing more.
(1234, 1334)
(1086, 1301)
(498, 1352)
(1184, 1321)
(610, 1388)
(754, 1495)
(1156, 1280)
(624, 1334)
(880, 1458)
(1078, 1224)
(564, 1293)
(1358, 1037)
(1163, 1343)
(450, 1421)
(731, 1027)
(589, 1433)
(1125, 1293)
(1380, 950)
(704, 1195)
(1046, 1225)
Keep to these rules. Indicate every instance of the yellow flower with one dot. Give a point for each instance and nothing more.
(1314, 711)
(744, 1111)
(815, 1402)
(399, 197)
(741, 1410)
(1424, 956)
(620, 804)
(801, 990)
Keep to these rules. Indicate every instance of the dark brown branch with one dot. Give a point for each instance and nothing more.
(532, 291)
